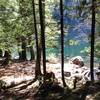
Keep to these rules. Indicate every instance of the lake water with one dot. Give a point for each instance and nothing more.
(69, 52)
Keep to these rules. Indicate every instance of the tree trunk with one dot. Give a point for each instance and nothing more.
(31, 50)
(62, 43)
(38, 61)
(42, 24)
(32, 53)
(20, 55)
(92, 41)
(23, 46)
(0, 53)
(38, 47)
(7, 58)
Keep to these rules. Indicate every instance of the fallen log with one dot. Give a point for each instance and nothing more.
(9, 82)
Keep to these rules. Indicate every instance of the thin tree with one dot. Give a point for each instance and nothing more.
(7, 57)
(23, 41)
(30, 48)
(42, 24)
(23, 46)
(92, 41)
(0, 53)
(62, 43)
(37, 67)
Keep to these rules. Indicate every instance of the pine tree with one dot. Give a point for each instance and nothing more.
(92, 41)
(38, 57)
(62, 43)
(42, 24)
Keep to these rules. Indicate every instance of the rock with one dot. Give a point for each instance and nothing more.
(78, 60)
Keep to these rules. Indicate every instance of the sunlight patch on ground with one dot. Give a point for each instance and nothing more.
(12, 80)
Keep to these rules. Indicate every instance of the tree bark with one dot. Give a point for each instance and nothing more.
(20, 55)
(62, 43)
(32, 53)
(38, 47)
(42, 24)
(7, 58)
(23, 46)
(0, 53)
(31, 50)
(92, 41)
(38, 62)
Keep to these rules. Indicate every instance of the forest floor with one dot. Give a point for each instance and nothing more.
(17, 83)
(17, 80)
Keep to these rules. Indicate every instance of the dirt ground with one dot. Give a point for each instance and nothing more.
(17, 83)
(17, 80)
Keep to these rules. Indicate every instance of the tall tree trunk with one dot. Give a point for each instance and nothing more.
(7, 58)
(62, 43)
(42, 24)
(19, 52)
(20, 55)
(92, 41)
(23, 46)
(38, 62)
(32, 53)
(38, 49)
(31, 50)
(22, 38)
(0, 53)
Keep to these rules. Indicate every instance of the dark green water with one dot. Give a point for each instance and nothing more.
(69, 51)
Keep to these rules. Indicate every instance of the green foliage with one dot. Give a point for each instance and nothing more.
(8, 15)
(16, 21)
(86, 51)
(97, 49)
(72, 42)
